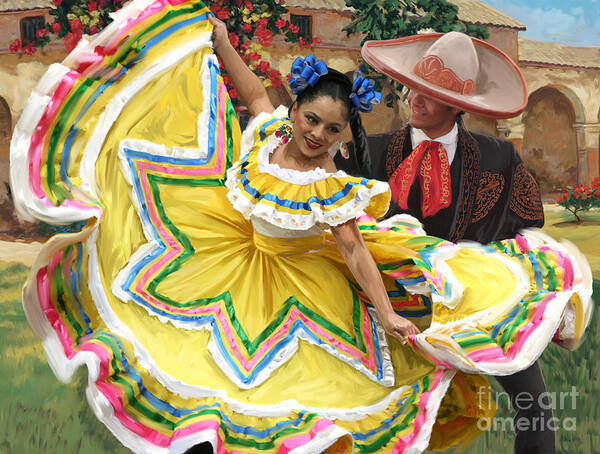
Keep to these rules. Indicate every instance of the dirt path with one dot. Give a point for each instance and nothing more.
(14, 251)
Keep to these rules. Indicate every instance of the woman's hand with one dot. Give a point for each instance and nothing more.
(398, 326)
(220, 36)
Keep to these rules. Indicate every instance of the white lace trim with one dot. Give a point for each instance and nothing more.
(558, 315)
(350, 210)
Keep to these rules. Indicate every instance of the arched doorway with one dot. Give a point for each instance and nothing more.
(549, 141)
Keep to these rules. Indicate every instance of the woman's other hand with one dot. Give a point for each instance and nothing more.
(220, 36)
(398, 326)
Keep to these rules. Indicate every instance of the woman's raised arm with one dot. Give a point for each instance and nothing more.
(363, 267)
(250, 89)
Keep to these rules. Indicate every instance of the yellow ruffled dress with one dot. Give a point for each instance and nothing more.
(206, 295)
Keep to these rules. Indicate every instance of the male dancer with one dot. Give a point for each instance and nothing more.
(460, 185)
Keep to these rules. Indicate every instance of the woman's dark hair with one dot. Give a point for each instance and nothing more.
(338, 87)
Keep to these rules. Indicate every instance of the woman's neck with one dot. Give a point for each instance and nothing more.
(289, 156)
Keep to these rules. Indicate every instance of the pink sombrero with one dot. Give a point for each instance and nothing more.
(455, 69)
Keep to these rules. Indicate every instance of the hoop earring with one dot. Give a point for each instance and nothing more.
(341, 147)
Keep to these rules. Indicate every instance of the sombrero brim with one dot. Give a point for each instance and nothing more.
(500, 88)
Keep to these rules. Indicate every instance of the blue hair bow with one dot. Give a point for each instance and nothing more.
(363, 96)
(306, 72)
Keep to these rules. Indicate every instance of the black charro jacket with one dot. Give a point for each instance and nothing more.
(493, 193)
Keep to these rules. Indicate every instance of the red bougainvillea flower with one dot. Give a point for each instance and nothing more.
(294, 29)
(253, 56)
(265, 36)
(56, 27)
(263, 22)
(248, 5)
(596, 183)
(234, 39)
(40, 33)
(220, 12)
(76, 26)
(275, 78)
(280, 23)
(15, 46)
(92, 6)
(29, 49)
(71, 40)
(264, 66)
(316, 41)
(247, 28)
(93, 30)
(303, 44)
(57, 2)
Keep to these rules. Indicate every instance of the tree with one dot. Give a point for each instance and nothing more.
(389, 19)
(252, 25)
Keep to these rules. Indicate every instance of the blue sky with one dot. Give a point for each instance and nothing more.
(573, 22)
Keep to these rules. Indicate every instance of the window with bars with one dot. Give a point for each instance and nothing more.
(304, 23)
(28, 27)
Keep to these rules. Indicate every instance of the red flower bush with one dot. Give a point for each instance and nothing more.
(580, 198)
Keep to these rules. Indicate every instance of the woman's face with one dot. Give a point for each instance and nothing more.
(318, 125)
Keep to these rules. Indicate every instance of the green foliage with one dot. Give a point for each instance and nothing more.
(252, 25)
(389, 19)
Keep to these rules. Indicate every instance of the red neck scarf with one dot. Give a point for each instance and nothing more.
(430, 161)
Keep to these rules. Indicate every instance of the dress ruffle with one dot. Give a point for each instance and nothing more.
(293, 199)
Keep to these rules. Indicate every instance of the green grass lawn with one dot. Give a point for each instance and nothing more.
(41, 415)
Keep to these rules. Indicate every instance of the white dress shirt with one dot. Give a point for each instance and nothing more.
(448, 140)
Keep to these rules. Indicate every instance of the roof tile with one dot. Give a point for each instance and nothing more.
(531, 51)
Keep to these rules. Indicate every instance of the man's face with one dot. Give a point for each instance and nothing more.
(430, 115)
